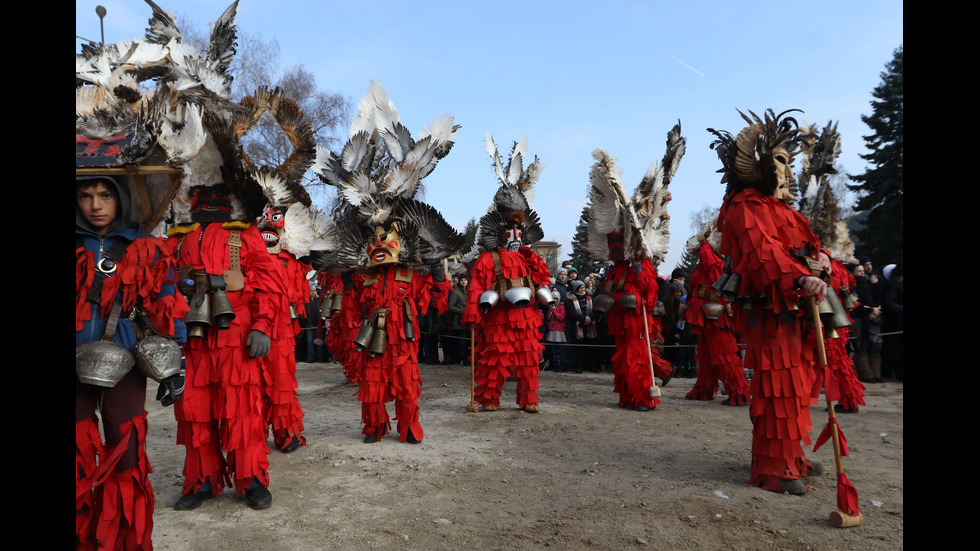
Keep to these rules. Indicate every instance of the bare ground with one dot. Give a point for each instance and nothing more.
(582, 474)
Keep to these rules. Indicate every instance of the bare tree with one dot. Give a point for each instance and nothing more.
(703, 216)
(256, 64)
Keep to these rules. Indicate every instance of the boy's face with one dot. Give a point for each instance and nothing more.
(99, 205)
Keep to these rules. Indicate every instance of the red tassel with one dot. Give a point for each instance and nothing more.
(847, 496)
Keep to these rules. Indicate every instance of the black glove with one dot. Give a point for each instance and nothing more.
(172, 389)
(258, 344)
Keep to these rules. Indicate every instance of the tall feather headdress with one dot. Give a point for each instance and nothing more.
(747, 159)
(378, 173)
(511, 203)
(184, 115)
(817, 200)
(306, 228)
(642, 219)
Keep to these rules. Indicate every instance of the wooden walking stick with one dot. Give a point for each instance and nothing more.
(847, 513)
(472, 407)
(654, 389)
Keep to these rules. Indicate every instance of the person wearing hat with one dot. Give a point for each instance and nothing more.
(583, 328)
(572, 274)
(118, 269)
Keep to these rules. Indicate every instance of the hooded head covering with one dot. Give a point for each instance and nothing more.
(121, 187)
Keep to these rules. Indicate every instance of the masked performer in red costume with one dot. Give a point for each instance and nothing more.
(633, 234)
(820, 206)
(709, 314)
(504, 282)
(291, 229)
(765, 239)
(398, 243)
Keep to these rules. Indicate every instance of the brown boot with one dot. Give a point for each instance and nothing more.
(863, 368)
(875, 369)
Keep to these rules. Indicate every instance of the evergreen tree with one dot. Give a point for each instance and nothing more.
(689, 261)
(579, 257)
(881, 202)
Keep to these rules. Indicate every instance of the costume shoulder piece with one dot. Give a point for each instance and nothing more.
(817, 200)
(615, 226)
(510, 221)
(378, 173)
(761, 156)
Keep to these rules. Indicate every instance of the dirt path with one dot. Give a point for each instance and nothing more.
(582, 474)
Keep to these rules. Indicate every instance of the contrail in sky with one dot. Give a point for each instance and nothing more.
(681, 62)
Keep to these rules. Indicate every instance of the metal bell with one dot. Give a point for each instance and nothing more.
(545, 296)
(379, 340)
(325, 310)
(488, 299)
(158, 357)
(628, 301)
(363, 339)
(731, 287)
(102, 363)
(833, 316)
(409, 321)
(198, 319)
(336, 303)
(603, 303)
(222, 311)
(712, 310)
(518, 297)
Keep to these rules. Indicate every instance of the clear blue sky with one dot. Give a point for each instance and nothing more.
(573, 76)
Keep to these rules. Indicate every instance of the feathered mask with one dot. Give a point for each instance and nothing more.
(289, 220)
(511, 206)
(640, 223)
(378, 172)
(760, 156)
(817, 201)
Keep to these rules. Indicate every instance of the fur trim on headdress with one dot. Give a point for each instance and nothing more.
(642, 219)
(818, 202)
(378, 173)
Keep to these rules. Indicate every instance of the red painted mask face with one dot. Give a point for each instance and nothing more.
(616, 249)
(210, 203)
(271, 225)
(384, 247)
(513, 238)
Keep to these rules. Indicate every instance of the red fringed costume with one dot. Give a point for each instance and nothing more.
(631, 362)
(394, 374)
(345, 324)
(220, 418)
(113, 497)
(284, 413)
(839, 379)
(758, 233)
(717, 350)
(509, 337)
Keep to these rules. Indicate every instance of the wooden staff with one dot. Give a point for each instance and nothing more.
(654, 389)
(846, 493)
(472, 407)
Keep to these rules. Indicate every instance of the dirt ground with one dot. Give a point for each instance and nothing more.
(582, 474)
